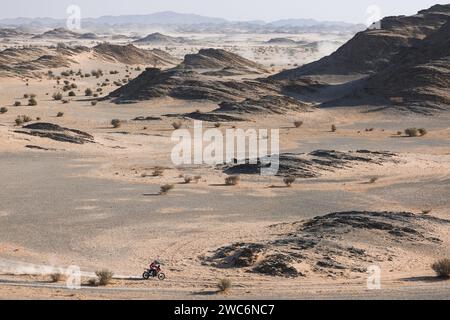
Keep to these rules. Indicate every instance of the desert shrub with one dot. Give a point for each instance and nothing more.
(442, 268)
(26, 119)
(18, 121)
(197, 178)
(224, 285)
(93, 282)
(65, 73)
(116, 123)
(97, 73)
(217, 125)
(188, 179)
(177, 125)
(72, 94)
(57, 96)
(65, 101)
(426, 211)
(26, 96)
(17, 104)
(66, 82)
(373, 180)
(56, 277)
(399, 133)
(232, 180)
(32, 95)
(288, 181)
(422, 131)
(3, 110)
(60, 114)
(73, 86)
(158, 172)
(88, 92)
(104, 277)
(412, 132)
(166, 188)
(66, 88)
(32, 102)
(298, 123)
(22, 119)
(93, 103)
(333, 128)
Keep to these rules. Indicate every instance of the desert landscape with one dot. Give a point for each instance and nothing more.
(363, 184)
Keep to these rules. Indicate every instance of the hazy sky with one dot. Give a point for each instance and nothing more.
(344, 10)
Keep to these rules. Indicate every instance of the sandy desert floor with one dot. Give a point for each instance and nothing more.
(97, 206)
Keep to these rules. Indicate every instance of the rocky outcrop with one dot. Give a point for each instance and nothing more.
(417, 79)
(312, 165)
(337, 244)
(57, 133)
(372, 50)
(187, 85)
(130, 54)
(160, 39)
(218, 59)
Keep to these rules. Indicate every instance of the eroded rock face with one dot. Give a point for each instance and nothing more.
(130, 54)
(188, 85)
(335, 244)
(57, 133)
(371, 51)
(418, 79)
(218, 59)
(314, 164)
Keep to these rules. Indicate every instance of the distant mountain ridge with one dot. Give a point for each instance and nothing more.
(169, 18)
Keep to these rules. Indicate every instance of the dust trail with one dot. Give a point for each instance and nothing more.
(18, 268)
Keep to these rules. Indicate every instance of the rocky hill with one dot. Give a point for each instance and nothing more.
(418, 78)
(160, 39)
(130, 54)
(217, 59)
(372, 50)
(58, 33)
(338, 244)
(187, 85)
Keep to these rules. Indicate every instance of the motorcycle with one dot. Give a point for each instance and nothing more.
(153, 273)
